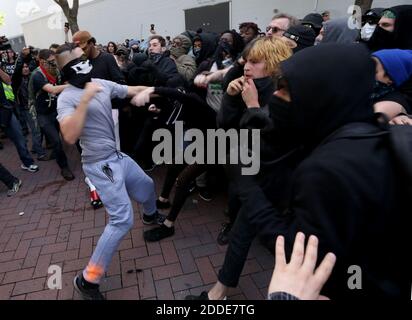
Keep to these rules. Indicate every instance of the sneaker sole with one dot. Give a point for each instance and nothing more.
(77, 289)
(29, 170)
(205, 199)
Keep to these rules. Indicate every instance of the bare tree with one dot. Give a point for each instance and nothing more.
(70, 13)
(364, 4)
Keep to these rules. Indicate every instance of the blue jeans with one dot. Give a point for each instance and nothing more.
(15, 134)
(121, 178)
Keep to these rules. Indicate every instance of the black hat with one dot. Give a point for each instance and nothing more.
(302, 35)
(122, 51)
(315, 20)
(373, 15)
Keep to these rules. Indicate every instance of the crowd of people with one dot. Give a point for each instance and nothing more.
(325, 98)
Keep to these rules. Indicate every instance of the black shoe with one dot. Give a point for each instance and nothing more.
(205, 194)
(156, 218)
(46, 157)
(159, 233)
(67, 174)
(87, 294)
(162, 205)
(202, 296)
(15, 188)
(224, 234)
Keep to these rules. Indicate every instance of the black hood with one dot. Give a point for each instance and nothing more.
(330, 86)
(209, 45)
(400, 38)
(403, 26)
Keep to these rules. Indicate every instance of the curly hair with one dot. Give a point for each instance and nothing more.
(250, 25)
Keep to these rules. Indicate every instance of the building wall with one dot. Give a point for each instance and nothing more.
(120, 19)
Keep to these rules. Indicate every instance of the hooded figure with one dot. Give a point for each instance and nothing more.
(400, 37)
(313, 21)
(186, 65)
(397, 64)
(209, 45)
(338, 31)
(345, 190)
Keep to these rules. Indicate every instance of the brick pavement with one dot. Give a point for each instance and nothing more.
(60, 228)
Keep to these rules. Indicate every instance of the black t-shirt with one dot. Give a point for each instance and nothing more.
(46, 103)
(106, 68)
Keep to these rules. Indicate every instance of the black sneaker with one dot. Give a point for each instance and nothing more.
(224, 234)
(162, 205)
(87, 294)
(156, 218)
(15, 188)
(202, 296)
(67, 174)
(159, 233)
(205, 194)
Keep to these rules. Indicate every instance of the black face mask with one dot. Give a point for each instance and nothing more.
(284, 131)
(381, 90)
(78, 72)
(222, 50)
(155, 57)
(265, 87)
(281, 113)
(381, 39)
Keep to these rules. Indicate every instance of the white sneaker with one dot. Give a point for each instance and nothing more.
(31, 168)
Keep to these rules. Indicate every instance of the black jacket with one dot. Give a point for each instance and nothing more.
(345, 189)
(348, 195)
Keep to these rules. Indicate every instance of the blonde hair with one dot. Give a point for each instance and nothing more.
(271, 50)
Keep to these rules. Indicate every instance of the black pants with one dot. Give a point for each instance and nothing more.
(181, 176)
(6, 177)
(255, 194)
(50, 128)
(144, 145)
(234, 204)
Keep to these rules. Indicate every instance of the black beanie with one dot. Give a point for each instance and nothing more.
(302, 35)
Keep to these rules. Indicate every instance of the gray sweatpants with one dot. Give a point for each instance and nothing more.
(116, 179)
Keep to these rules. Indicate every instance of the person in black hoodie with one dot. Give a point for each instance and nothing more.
(345, 190)
(393, 30)
(266, 53)
(204, 46)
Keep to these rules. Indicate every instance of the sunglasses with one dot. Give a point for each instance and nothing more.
(274, 29)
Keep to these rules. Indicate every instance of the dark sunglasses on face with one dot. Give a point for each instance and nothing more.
(274, 29)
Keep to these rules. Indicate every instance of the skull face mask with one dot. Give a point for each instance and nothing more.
(75, 67)
(78, 72)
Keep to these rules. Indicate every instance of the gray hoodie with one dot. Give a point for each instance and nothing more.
(338, 31)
